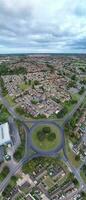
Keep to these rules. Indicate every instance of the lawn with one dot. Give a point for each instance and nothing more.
(83, 173)
(4, 173)
(46, 144)
(3, 114)
(67, 107)
(71, 155)
(76, 96)
(24, 86)
(20, 151)
(83, 176)
(9, 187)
(49, 182)
(10, 100)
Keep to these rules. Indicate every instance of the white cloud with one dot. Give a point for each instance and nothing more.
(42, 25)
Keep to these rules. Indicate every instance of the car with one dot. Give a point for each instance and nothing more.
(7, 157)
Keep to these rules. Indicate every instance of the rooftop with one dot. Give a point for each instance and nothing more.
(4, 134)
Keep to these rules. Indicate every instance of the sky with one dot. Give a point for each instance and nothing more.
(42, 26)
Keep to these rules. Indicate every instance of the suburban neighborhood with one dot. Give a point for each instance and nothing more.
(43, 127)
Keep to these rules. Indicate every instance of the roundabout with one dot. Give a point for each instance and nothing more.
(46, 138)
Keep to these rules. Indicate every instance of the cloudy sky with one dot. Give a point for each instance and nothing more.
(42, 26)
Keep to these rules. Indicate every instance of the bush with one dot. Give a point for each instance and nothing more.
(46, 129)
(51, 136)
(36, 82)
(82, 90)
(4, 173)
(62, 112)
(41, 135)
(5, 70)
(46, 133)
(77, 157)
(75, 181)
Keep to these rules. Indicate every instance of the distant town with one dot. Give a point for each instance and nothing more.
(43, 127)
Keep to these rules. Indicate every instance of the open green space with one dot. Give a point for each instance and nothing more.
(76, 96)
(83, 195)
(71, 137)
(67, 106)
(71, 156)
(6, 70)
(24, 86)
(19, 153)
(3, 88)
(3, 114)
(83, 173)
(23, 112)
(46, 137)
(48, 181)
(4, 173)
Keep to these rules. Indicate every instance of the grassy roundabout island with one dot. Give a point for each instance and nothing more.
(46, 137)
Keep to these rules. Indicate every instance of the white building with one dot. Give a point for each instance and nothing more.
(4, 134)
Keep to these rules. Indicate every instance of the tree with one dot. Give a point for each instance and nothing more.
(82, 90)
(41, 135)
(46, 129)
(29, 82)
(73, 77)
(75, 181)
(77, 157)
(36, 82)
(83, 194)
(25, 79)
(51, 136)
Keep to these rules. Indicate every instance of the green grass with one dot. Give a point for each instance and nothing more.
(22, 112)
(49, 182)
(19, 153)
(76, 96)
(24, 86)
(6, 70)
(45, 144)
(3, 114)
(10, 100)
(4, 173)
(83, 175)
(67, 107)
(71, 155)
(9, 187)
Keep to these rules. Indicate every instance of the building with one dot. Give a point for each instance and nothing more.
(1, 154)
(4, 134)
